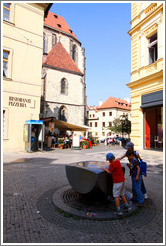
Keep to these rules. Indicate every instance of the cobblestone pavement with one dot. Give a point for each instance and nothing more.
(30, 180)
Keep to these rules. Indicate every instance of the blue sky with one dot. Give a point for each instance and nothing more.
(102, 28)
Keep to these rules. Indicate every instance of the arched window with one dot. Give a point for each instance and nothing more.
(62, 113)
(64, 86)
(44, 43)
(54, 40)
(74, 53)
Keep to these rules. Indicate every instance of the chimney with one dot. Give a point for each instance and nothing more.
(100, 103)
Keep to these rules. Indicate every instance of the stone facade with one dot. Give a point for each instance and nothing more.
(72, 102)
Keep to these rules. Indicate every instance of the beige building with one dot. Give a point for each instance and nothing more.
(147, 51)
(102, 116)
(63, 94)
(22, 64)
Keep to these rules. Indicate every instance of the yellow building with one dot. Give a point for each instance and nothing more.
(22, 63)
(147, 50)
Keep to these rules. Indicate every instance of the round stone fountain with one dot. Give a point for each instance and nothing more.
(87, 195)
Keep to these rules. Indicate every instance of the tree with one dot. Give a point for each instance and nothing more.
(121, 125)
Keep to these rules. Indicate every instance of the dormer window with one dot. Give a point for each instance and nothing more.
(56, 16)
(58, 25)
(70, 30)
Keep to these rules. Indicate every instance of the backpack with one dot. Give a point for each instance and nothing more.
(143, 167)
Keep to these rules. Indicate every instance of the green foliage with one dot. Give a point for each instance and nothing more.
(60, 140)
(85, 143)
(121, 125)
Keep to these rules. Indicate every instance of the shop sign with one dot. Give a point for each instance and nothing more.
(19, 102)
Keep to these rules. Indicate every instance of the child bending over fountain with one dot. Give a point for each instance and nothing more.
(118, 178)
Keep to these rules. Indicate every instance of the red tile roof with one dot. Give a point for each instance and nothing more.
(59, 23)
(113, 102)
(92, 108)
(59, 58)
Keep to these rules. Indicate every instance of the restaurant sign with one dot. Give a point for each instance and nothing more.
(19, 101)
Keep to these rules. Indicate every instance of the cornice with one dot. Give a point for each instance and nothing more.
(62, 70)
(145, 79)
(145, 19)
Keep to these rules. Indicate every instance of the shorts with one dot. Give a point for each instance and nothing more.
(118, 189)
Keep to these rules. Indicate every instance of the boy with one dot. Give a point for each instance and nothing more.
(136, 177)
(116, 170)
(130, 146)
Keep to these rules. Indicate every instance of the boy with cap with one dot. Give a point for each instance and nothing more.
(118, 178)
(130, 147)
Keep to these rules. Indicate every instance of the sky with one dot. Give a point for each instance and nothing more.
(102, 29)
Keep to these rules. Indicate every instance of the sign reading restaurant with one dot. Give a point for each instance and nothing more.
(19, 101)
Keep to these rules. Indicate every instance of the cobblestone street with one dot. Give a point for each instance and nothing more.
(29, 216)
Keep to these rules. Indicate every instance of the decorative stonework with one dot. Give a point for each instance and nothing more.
(148, 32)
(150, 9)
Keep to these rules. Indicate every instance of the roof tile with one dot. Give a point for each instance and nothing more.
(113, 102)
(59, 23)
(58, 57)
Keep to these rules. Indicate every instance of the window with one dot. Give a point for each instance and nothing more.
(5, 63)
(90, 115)
(62, 113)
(5, 123)
(96, 133)
(74, 52)
(103, 133)
(93, 115)
(54, 40)
(44, 43)
(90, 124)
(103, 124)
(95, 124)
(110, 124)
(6, 11)
(152, 48)
(58, 25)
(64, 86)
(110, 113)
(103, 113)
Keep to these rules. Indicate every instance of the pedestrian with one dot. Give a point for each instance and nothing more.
(118, 178)
(130, 146)
(136, 178)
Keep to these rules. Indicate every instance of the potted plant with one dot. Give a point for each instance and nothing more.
(60, 143)
(85, 144)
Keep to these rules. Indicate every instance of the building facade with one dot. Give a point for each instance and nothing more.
(100, 118)
(147, 47)
(64, 88)
(22, 64)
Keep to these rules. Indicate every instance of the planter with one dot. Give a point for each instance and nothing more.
(84, 147)
(61, 146)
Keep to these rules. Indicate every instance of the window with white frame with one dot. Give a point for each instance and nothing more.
(152, 48)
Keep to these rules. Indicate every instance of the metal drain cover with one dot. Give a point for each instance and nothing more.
(69, 202)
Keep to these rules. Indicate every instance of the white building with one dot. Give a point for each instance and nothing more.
(102, 116)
